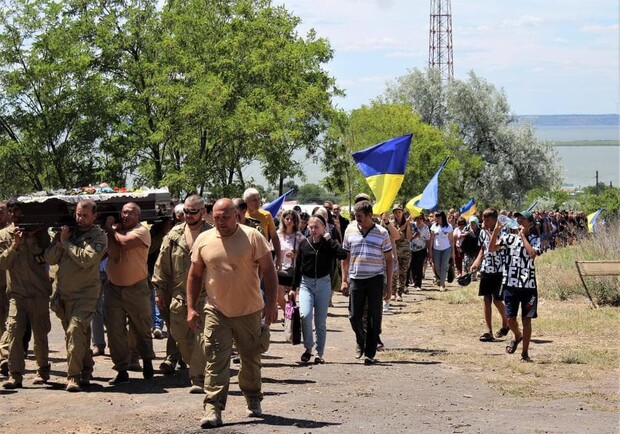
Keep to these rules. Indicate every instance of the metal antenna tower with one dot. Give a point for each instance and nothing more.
(440, 39)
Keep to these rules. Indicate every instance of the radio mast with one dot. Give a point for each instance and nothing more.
(440, 39)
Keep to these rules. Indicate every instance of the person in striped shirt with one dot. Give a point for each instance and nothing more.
(364, 278)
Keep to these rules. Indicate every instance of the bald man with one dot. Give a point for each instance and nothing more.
(127, 292)
(231, 260)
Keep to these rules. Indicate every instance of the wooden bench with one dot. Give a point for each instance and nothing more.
(596, 268)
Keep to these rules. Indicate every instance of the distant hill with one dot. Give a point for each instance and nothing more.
(571, 120)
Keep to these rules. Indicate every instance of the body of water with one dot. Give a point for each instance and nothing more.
(580, 163)
(576, 133)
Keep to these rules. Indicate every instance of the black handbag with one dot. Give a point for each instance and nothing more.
(292, 323)
(451, 272)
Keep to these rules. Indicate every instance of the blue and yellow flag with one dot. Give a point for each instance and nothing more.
(383, 166)
(593, 221)
(412, 206)
(430, 195)
(469, 209)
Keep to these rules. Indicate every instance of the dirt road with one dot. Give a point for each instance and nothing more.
(413, 389)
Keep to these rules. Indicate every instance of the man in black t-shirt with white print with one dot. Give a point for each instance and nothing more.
(519, 278)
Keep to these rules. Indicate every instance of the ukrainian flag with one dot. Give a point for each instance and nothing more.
(469, 209)
(592, 221)
(383, 166)
(412, 206)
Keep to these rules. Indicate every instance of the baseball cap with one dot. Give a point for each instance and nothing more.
(526, 214)
(397, 206)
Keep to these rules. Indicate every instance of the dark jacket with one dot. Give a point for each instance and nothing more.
(316, 260)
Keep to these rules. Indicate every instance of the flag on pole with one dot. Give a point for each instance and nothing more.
(592, 221)
(275, 205)
(383, 166)
(412, 206)
(532, 206)
(469, 209)
(430, 195)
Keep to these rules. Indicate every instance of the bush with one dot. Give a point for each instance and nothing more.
(558, 277)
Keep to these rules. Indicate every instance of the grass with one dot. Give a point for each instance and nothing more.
(557, 274)
(575, 349)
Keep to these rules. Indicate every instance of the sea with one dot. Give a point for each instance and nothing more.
(584, 144)
(583, 151)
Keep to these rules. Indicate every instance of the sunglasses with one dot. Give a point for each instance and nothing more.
(191, 211)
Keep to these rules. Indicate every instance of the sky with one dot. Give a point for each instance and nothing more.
(549, 56)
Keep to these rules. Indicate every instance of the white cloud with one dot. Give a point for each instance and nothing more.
(523, 21)
(596, 28)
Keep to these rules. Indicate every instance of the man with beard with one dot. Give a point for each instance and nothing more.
(170, 281)
(78, 253)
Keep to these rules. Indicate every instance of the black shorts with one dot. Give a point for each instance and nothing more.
(490, 284)
(526, 298)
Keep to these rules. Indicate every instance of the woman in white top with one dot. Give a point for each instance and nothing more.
(290, 237)
(442, 242)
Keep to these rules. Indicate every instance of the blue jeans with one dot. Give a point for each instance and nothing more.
(441, 259)
(314, 295)
(158, 323)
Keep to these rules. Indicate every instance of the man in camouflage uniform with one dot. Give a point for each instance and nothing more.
(170, 281)
(21, 253)
(78, 253)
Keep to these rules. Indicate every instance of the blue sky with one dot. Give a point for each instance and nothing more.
(549, 56)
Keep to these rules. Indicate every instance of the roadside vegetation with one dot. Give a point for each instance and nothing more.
(557, 274)
(574, 349)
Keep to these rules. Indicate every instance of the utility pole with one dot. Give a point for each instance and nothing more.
(440, 39)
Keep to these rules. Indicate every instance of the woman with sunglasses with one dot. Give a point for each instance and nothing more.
(290, 238)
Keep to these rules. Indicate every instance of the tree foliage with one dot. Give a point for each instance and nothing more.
(514, 160)
(378, 122)
(183, 93)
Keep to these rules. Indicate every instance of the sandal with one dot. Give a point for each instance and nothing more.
(513, 345)
(502, 332)
(318, 360)
(525, 358)
(305, 357)
(486, 337)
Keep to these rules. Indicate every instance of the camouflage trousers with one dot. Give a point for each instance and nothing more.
(399, 278)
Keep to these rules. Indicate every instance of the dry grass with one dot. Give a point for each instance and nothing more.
(557, 274)
(575, 349)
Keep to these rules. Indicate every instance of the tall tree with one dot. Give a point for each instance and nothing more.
(378, 122)
(52, 102)
(479, 114)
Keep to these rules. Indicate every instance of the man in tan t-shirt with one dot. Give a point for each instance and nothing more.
(229, 259)
(127, 293)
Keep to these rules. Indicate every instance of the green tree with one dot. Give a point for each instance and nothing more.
(514, 160)
(311, 193)
(52, 103)
(378, 122)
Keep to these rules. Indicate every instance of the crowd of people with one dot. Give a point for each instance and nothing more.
(217, 275)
